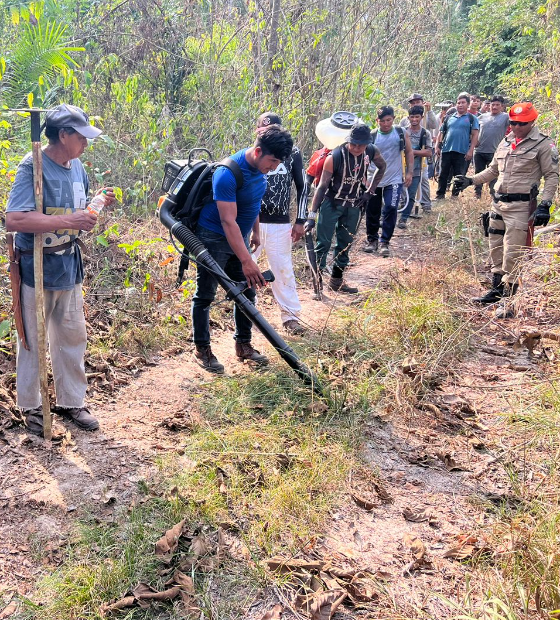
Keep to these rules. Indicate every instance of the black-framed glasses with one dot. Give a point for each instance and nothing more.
(513, 123)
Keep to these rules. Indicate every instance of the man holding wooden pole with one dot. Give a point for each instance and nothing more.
(47, 210)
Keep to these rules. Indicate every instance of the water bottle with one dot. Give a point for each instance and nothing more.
(96, 204)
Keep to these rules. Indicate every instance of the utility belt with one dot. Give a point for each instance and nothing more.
(512, 197)
(52, 249)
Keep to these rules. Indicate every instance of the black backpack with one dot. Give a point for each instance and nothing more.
(445, 124)
(188, 183)
(400, 131)
(337, 156)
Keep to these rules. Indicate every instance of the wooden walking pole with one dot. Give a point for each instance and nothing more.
(38, 271)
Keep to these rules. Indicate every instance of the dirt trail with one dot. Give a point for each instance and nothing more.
(438, 461)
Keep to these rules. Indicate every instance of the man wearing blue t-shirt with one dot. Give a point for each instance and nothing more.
(457, 138)
(224, 227)
(65, 190)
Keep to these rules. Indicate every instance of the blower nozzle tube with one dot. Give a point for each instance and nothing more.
(193, 246)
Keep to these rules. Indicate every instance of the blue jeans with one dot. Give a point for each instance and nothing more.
(412, 189)
(383, 204)
(206, 285)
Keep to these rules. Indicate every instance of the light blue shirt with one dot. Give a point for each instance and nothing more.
(458, 135)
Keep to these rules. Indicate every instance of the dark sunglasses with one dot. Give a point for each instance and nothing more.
(513, 123)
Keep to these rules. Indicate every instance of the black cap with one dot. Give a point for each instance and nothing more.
(359, 134)
(268, 118)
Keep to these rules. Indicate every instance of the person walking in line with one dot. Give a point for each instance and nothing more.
(493, 127)
(339, 198)
(276, 232)
(486, 106)
(431, 122)
(224, 227)
(522, 159)
(456, 140)
(382, 209)
(476, 103)
(65, 198)
(421, 142)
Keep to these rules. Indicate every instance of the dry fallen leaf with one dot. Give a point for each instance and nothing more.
(461, 552)
(275, 613)
(362, 502)
(286, 565)
(167, 544)
(145, 594)
(418, 515)
(416, 546)
(320, 605)
(200, 546)
(8, 610)
(123, 603)
(449, 462)
(418, 550)
(361, 590)
(183, 581)
(317, 407)
(465, 547)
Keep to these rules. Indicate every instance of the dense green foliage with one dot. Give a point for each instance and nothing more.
(163, 76)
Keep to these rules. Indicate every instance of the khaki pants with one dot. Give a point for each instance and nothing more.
(66, 330)
(509, 239)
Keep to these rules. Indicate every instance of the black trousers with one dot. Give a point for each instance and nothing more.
(452, 163)
(481, 162)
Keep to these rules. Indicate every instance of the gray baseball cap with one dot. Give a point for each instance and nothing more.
(66, 115)
(415, 96)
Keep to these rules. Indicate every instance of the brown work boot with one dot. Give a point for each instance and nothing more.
(338, 285)
(204, 357)
(294, 327)
(81, 417)
(33, 420)
(245, 351)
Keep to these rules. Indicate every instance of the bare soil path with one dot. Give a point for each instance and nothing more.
(438, 464)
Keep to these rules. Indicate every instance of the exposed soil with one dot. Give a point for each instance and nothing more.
(444, 459)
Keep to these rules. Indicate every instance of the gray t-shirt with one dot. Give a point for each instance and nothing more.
(390, 146)
(64, 191)
(430, 121)
(492, 131)
(415, 142)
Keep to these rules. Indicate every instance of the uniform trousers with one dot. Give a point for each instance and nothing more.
(509, 223)
(276, 241)
(66, 331)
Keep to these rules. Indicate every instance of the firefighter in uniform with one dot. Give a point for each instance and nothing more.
(522, 159)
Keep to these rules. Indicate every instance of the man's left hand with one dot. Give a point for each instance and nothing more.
(255, 241)
(542, 214)
(461, 182)
(408, 179)
(468, 155)
(109, 193)
(297, 232)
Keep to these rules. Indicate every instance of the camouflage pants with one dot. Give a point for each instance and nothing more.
(508, 238)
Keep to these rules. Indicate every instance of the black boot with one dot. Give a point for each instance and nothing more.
(338, 285)
(494, 294)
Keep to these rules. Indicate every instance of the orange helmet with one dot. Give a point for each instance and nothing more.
(524, 112)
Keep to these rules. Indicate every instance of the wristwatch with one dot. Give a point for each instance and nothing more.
(312, 215)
